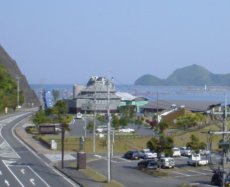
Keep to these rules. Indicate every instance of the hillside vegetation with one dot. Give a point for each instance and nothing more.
(8, 90)
(193, 75)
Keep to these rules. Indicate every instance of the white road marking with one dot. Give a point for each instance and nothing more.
(10, 152)
(183, 174)
(39, 176)
(99, 156)
(5, 163)
(33, 152)
(0, 172)
(196, 172)
(23, 171)
(207, 170)
(7, 182)
(32, 181)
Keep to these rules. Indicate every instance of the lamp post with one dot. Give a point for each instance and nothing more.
(108, 134)
(62, 145)
(18, 78)
(94, 119)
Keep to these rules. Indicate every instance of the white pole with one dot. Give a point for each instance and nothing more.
(108, 134)
(94, 120)
(17, 92)
(224, 140)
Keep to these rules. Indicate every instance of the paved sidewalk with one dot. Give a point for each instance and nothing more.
(76, 175)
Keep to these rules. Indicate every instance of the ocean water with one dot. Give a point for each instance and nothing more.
(205, 93)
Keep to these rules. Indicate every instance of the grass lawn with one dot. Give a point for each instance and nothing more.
(124, 143)
(120, 145)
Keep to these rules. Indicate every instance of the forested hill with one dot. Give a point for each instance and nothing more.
(193, 75)
(10, 69)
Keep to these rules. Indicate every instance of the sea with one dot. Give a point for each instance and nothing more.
(200, 93)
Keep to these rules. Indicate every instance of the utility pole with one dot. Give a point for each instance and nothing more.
(225, 143)
(108, 133)
(62, 145)
(157, 108)
(94, 120)
(18, 89)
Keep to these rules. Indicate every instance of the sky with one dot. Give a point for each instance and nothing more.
(67, 42)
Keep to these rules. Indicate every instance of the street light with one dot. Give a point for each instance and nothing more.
(18, 78)
(84, 119)
(108, 134)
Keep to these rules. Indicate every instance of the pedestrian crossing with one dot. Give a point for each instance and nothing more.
(7, 152)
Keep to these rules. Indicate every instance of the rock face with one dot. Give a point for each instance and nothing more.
(30, 97)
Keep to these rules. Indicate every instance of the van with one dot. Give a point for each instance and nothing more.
(176, 152)
(166, 162)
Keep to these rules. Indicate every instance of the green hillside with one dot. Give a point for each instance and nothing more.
(194, 75)
(148, 79)
(8, 90)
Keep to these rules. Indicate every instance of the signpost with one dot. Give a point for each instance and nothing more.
(47, 129)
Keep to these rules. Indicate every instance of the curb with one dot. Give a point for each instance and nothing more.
(68, 176)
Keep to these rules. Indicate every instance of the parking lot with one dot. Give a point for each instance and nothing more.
(126, 172)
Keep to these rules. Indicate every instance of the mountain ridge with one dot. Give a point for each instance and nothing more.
(14, 71)
(193, 75)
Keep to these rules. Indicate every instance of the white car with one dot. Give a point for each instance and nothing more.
(176, 152)
(204, 152)
(149, 154)
(166, 162)
(126, 130)
(184, 151)
(196, 160)
(79, 115)
(101, 128)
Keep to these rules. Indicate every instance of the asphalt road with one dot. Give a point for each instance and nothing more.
(19, 166)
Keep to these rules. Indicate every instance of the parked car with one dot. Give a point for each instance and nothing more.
(126, 130)
(134, 155)
(176, 152)
(78, 116)
(204, 152)
(184, 151)
(167, 162)
(217, 178)
(196, 160)
(147, 164)
(101, 128)
(148, 154)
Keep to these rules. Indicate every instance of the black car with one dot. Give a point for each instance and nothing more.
(134, 155)
(217, 178)
(147, 164)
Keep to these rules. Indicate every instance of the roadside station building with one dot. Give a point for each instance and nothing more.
(95, 96)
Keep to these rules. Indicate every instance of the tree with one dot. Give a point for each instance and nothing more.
(190, 120)
(56, 95)
(8, 90)
(57, 114)
(60, 114)
(195, 143)
(115, 122)
(161, 145)
(41, 117)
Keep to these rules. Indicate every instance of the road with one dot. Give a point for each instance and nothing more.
(19, 165)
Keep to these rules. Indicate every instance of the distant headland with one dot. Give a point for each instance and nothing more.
(193, 75)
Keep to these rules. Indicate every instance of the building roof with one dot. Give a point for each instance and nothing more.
(125, 96)
(198, 106)
(99, 84)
